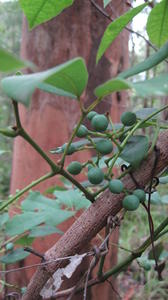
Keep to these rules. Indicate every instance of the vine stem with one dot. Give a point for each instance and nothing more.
(55, 168)
(28, 187)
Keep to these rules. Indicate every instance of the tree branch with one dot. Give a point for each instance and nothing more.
(94, 219)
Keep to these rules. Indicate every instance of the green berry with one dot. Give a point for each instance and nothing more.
(91, 114)
(9, 246)
(99, 122)
(130, 202)
(23, 290)
(71, 149)
(104, 146)
(82, 131)
(116, 186)
(140, 194)
(95, 175)
(74, 168)
(128, 118)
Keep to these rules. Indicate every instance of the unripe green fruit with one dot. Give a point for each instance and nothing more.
(9, 246)
(130, 202)
(23, 290)
(140, 194)
(95, 175)
(91, 114)
(74, 168)
(82, 131)
(116, 186)
(99, 122)
(128, 118)
(71, 149)
(104, 146)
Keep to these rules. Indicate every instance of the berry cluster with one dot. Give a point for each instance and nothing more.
(104, 146)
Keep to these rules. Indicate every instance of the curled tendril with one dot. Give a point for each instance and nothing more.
(124, 167)
(155, 182)
(151, 189)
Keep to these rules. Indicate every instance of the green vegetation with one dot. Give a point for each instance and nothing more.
(126, 145)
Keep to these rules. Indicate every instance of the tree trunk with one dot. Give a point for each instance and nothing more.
(50, 119)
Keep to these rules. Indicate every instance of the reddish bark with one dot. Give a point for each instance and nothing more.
(76, 32)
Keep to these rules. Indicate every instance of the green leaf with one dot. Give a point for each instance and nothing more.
(14, 256)
(72, 199)
(25, 241)
(106, 2)
(3, 219)
(111, 86)
(44, 230)
(157, 86)
(10, 63)
(36, 201)
(21, 223)
(158, 23)
(113, 30)
(57, 216)
(53, 90)
(147, 64)
(70, 77)
(135, 149)
(40, 11)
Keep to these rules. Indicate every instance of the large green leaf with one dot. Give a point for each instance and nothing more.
(39, 11)
(21, 223)
(147, 64)
(28, 220)
(157, 86)
(36, 201)
(115, 28)
(57, 216)
(10, 63)
(25, 241)
(44, 230)
(135, 149)
(14, 256)
(111, 86)
(157, 24)
(70, 78)
(72, 199)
